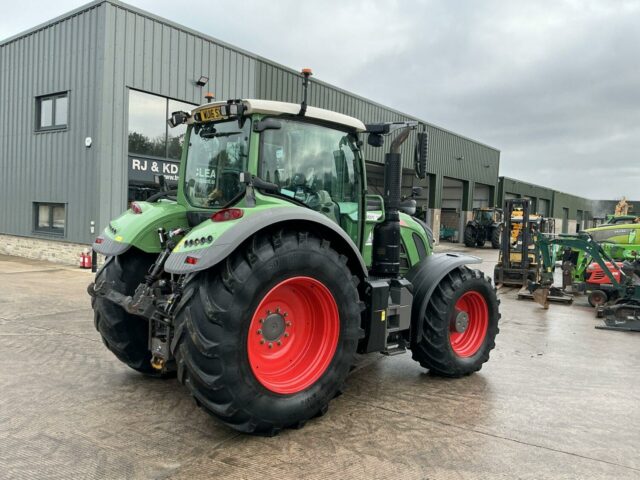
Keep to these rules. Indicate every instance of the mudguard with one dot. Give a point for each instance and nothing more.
(425, 277)
(224, 244)
(140, 229)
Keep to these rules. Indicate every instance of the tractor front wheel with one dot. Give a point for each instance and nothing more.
(459, 326)
(265, 340)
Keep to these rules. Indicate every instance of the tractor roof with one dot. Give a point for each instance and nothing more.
(270, 107)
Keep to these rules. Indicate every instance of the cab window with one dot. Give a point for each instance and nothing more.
(315, 165)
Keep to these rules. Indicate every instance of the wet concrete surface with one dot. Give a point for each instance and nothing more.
(558, 399)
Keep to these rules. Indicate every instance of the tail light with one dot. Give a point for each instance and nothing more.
(227, 214)
(99, 240)
(191, 260)
(136, 208)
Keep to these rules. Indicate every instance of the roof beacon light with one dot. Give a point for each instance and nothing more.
(136, 208)
(306, 73)
(209, 96)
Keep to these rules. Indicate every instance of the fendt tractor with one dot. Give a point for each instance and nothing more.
(262, 275)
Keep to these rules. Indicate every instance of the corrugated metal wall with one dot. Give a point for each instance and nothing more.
(523, 189)
(147, 53)
(573, 203)
(53, 166)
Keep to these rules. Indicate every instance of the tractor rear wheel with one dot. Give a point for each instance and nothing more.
(124, 334)
(265, 339)
(470, 236)
(459, 326)
(496, 236)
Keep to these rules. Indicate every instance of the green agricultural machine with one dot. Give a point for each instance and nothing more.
(486, 225)
(259, 279)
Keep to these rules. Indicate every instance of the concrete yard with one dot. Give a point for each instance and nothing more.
(558, 399)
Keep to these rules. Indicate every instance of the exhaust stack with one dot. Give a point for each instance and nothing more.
(386, 235)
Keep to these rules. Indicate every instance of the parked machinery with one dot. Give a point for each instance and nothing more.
(622, 310)
(486, 225)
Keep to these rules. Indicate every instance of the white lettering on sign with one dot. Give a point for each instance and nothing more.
(139, 165)
(170, 169)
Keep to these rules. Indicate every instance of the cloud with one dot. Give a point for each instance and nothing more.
(552, 84)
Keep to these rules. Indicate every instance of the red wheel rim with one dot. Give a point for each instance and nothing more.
(469, 325)
(293, 335)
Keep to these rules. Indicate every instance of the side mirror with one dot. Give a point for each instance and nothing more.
(267, 124)
(421, 154)
(177, 118)
(408, 206)
(416, 191)
(375, 140)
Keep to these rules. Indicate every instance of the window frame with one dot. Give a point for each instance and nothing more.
(51, 230)
(38, 115)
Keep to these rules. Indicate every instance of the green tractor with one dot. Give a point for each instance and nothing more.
(486, 225)
(259, 279)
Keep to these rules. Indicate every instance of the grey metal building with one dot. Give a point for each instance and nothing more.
(83, 103)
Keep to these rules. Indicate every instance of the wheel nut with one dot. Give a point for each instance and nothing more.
(270, 345)
(286, 334)
(288, 324)
(285, 314)
(259, 331)
(277, 309)
(261, 320)
(279, 343)
(262, 342)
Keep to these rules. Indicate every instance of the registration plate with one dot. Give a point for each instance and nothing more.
(211, 113)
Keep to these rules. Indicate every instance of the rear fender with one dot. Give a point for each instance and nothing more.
(140, 230)
(425, 277)
(237, 231)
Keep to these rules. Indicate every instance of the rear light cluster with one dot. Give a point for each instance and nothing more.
(227, 214)
(136, 208)
(198, 241)
(99, 240)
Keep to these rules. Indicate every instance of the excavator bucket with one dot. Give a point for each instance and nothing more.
(541, 296)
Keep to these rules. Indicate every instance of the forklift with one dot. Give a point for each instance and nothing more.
(519, 259)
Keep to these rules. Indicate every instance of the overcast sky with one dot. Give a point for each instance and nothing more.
(555, 85)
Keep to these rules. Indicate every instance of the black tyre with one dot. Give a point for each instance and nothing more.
(124, 334)
(480, 243)
(460, 324)
(496, 236)
(597, 298)
(470, 236)
(265, 340)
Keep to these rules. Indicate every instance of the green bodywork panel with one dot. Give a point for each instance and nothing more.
(620, 242)
(141, 229)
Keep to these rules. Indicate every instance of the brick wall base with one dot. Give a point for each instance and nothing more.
(42, 249)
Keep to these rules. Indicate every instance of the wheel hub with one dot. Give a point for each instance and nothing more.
(461, 322)
(273, 327)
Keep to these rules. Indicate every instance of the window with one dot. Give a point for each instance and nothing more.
(149, 133)
(52, 112)
(49, 218)
(154, 147)
(314, 165)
